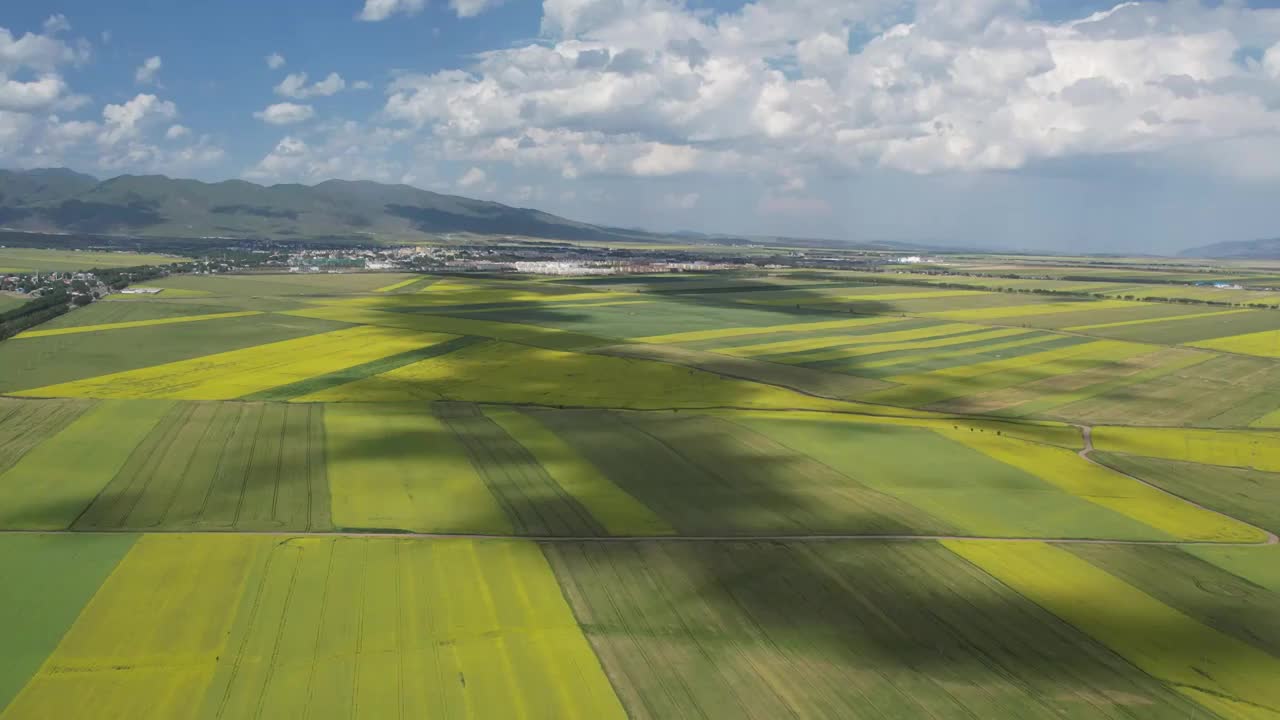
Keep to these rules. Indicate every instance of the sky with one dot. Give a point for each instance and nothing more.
(1070, 125)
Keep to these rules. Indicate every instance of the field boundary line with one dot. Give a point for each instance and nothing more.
(1087, 454)
(824, 537)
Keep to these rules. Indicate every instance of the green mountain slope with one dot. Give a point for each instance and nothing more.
(59, 200)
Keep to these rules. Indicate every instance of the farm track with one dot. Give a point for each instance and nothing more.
(1086, 453)
(1271, 539)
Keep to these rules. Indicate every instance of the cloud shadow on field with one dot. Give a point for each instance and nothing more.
(757, 628)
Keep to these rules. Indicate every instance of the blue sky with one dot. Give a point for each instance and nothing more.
(1140, 126)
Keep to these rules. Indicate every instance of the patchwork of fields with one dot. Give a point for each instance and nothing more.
(802, 495)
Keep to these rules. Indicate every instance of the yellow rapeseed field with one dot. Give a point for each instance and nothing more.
(135, 323)
(699, 335)
(1021, 341)
(861, 350)
(229, 375)
(1262, 344)
(387, 628)
(1231, 677)
(1015, 311)
(619, 512)
(961, 380)
(1146, 321)
(515, 332)
(933, 333)
(820, 298)
(399, 467)
(500, 372)
(1256, 449)
(147, 644)
(1111, 489)
(397, 286)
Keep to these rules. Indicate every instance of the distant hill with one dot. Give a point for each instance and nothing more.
(59, 200)
(1268, 248)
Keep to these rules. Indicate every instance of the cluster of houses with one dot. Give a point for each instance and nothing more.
(35, 285)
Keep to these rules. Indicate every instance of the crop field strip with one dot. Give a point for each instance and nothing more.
(115, 309)
(534, 502)
(733, 615)
(238, 373)
(253, 626)
(763, 630)
(1229, 676)
(134, 323)
(237, 466)
(56, 360)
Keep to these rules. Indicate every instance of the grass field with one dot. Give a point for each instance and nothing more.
(35, 260)
(799, 494)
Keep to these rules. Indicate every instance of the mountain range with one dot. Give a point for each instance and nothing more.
(58, 200)
(1263, 249)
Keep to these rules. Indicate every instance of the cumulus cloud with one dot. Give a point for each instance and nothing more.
(474, 176)
(376, 10)
(55, 24)
(146, 72)
(37, 94)
(136, 135)
(335, 150)
(295, 86)
(1271, 61)
(361, 85)
(285, 113)
(275, 61)
(126, 121)
(652, 88)
(42, 53)
(471, 8)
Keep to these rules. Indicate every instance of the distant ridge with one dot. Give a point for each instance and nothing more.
(1264, 249)
(60, 200)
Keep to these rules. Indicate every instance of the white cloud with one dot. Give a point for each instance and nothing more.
(42, 53)
(55, 24)
(474, 176)
(176, 131)
(295, 86)
(361, 85)
(146, 72)
(471, 8)
(126, 121)
(336, 150)
(653, 88)
(1271, 61)
(275, 61)
(375, 10)
(38, 94)
(285, 113)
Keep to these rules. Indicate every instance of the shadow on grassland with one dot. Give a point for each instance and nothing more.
(774, 629)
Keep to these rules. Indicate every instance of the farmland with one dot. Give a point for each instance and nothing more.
(700, 495)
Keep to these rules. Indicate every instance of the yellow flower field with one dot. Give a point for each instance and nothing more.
(1029, 310)
(501, 372)
(148, 643)
(1112, 490)
(398, 467)
(1230, 677)
(1260, 450)
(699, 335)
(1262, 344)
(229, 375)
(934, 333)
(620, 513)
(135, 323)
